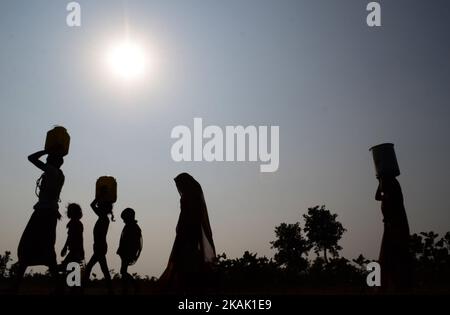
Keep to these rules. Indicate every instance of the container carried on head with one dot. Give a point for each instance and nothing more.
(57, 141)
(106, 189)
(385, 160)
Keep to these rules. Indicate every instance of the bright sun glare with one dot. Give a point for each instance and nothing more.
(127, 60)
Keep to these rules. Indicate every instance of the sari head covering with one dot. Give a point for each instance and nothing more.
(192, 196)
(193, 252)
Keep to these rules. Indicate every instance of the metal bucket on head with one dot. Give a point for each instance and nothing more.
(385, 160)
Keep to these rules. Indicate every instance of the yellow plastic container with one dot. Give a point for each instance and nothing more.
(106, 189)
(57, 141)
(385, 160)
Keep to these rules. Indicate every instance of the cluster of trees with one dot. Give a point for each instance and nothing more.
(292, 266)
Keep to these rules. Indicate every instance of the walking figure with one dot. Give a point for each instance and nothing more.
(395, 258)
(189, 266)
(130, 246)
(37, 244)
(102, 209)
(73, 249)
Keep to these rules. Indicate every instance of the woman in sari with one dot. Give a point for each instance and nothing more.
(395, 259)
(189, 266)
(37, 244)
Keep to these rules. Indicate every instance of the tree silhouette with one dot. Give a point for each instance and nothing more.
(4, 260)
(323, 231)
(361, 261)
(291, 247)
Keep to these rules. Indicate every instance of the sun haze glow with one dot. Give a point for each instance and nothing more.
(127, 60)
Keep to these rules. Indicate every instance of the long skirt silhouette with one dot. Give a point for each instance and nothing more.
(189, 266)
(395, 258)
(37, 244)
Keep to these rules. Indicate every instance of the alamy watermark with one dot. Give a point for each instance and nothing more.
(374, 17)
(73, 278)
(373, 279)
(233, 143)
(73, 18)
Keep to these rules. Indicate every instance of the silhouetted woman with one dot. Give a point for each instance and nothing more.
(37, 244)
(74, 243)
(102, 210)
(395, 258)
(193, 250)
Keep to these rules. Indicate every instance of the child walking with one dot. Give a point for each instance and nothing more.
(73, 249)
(74, 244)
(130, 245)
(102, 209)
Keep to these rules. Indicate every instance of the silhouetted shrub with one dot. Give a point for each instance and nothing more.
(4, 261)
(431, 258)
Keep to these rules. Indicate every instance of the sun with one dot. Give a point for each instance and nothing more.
(127, 60)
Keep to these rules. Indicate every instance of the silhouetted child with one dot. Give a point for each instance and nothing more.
(74, 243)
(130, 245)
(102, 210)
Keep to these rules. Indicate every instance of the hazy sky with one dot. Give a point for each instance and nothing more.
(333, 85)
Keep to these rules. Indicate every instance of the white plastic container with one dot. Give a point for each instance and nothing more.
(106, 189)
(57, 141)
(385, 160)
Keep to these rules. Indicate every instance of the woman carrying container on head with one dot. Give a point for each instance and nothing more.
(102, 205)
(395, 259)
(37, 244)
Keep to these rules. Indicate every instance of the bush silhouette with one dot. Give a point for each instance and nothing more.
(291, 271)
(4, 261)
(431, 258)
(291, 246)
